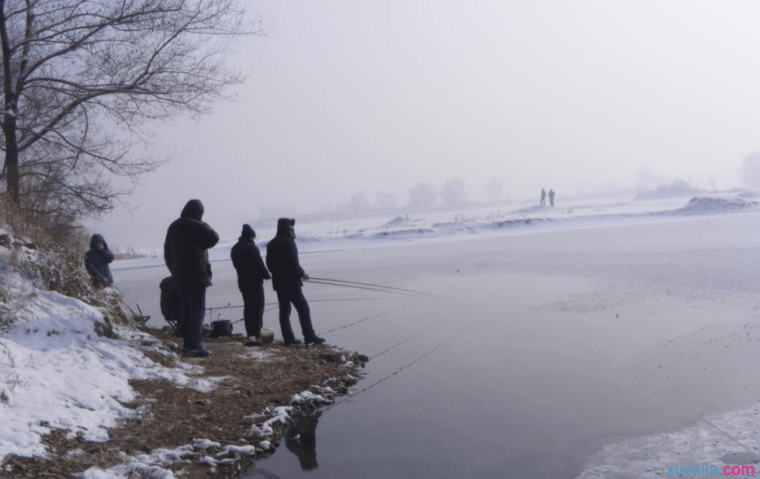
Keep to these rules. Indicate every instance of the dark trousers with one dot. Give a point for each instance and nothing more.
(192, 310)
(286, 296)
(253, 307)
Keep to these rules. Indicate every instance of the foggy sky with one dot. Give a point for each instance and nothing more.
(378, 96)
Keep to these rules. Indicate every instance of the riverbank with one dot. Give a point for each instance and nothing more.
(237, 409)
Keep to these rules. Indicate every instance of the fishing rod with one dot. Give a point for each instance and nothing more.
(330, 283)
(276, 305)
(376, 286)
(311, 301)
(223, 260)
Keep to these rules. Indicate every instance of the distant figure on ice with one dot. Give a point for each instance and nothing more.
(97, 260)
(251, 274)
(186, 255)
(551, 197)
(287, 276)
(170, 304)
(543, 197)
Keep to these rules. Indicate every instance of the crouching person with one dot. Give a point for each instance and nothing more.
(186, 255)
(96, 260)
(251, 273)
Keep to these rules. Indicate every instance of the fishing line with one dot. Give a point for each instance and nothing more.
(376, 286)
(310, 301)
(140, 267)
(399, 343)
(162, 265)
(361, 320)
(396, 371)
(329, 283)
(265, 311)
(346, 299)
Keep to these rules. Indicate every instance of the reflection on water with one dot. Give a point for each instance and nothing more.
(302, 441)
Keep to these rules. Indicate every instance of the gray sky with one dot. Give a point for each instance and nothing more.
(380, 95)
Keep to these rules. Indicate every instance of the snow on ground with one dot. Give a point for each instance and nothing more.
(375, 231)
(56, 372)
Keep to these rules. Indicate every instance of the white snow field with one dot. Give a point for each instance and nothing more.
(613, 339)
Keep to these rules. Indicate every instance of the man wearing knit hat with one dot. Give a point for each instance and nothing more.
(251, 273)
(287, 276)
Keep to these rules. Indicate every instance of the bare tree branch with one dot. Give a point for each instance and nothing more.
(80, 78)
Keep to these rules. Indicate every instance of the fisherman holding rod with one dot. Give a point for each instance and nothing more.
(251, 273)
(287, 281)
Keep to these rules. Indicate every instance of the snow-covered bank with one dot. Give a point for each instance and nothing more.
(373, 232)
(70, 375)
(57, 368)
(523, 220)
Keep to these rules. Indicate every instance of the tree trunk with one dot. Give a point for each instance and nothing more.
(9, 113)
(11, 159)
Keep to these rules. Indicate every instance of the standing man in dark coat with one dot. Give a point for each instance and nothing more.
(186, 255)
(251, 273)
(287, 276)
(97, 260)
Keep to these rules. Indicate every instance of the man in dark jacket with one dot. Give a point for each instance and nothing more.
(251, 273)
(186, 255)
(287, 276)
(97, 260)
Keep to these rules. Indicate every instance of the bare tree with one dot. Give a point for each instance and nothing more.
(494, 188)
(358, 203)
(81, 78)
(750, 171)
(452, 192)
(385, 201)
(422, 196)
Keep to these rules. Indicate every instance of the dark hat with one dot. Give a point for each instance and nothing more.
(96, 239)
(285, 225)
(248, 232)
(193, 209)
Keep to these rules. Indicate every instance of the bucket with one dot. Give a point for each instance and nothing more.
(267, 336)
(221, 328)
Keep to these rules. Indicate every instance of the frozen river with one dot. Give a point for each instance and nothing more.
(552, 353)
